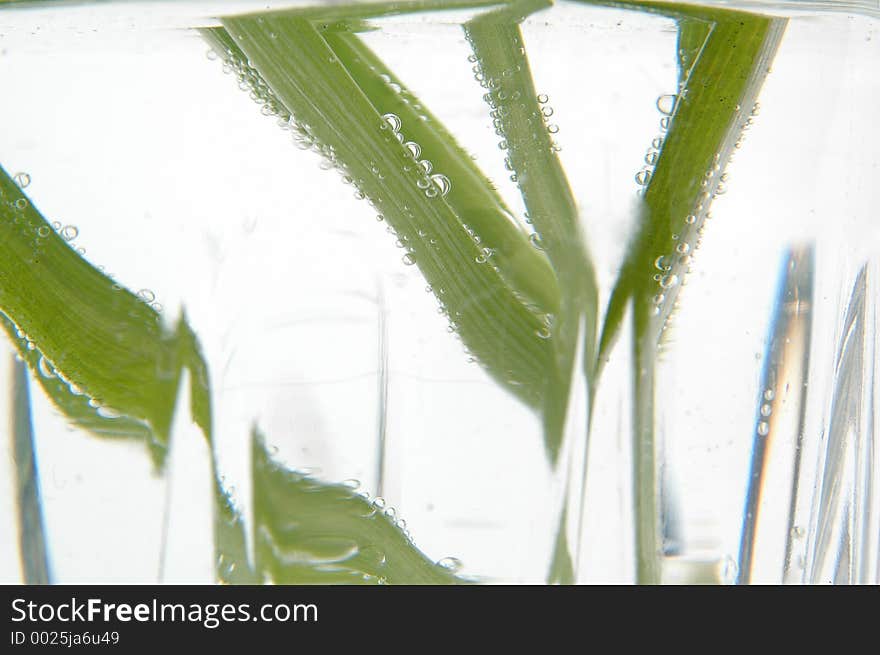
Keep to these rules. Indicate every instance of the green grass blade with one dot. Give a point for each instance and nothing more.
(101, 354)
(230, 544)
(312, 532)
(726, 57)
(497, 43)
(561, 566)
(329, 17)
(32, 535)
(472, 197)
(724, 61)
(303, 73)
(307, 531)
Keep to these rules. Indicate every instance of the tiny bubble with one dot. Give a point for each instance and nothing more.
(22, 180)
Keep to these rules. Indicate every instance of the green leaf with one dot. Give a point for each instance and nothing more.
(288, 60)
(497, 43)
(724, 59)
(472, 196)
(312, 532)
(503, 68)
(726, 55)
(102, 354)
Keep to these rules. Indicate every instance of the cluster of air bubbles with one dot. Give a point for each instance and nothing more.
(251, 82)
(484, 256)
(765, 411)
(672, 267)
(49, 372)
(149, 297)
(378, 506)
(746, 124)
(301, 133)
(403, 241)
(431, 183)
(502, 96)
(546, 114)
(665, 279)
(666, 105)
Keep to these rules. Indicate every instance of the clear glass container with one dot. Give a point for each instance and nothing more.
(448, 291)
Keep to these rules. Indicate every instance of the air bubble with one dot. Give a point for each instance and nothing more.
(409, 259)
(442, 182)
(542, 98)
(763, 428)
(769, 394)
(69, 232)
(44, 231)
(22, 180)
(146, 295)
(451, 564)
(643, 177)
(651, 157)
(682, 248)
(661, 264)
(664, 123)
(485, 256)
(392, 121)
(21, 203)
(691, 219)
(105, 412)
(766, 410)
(668, 281)
(45, 368)
(415, 150)
(553, 129)
(535, 240)
(666, 104)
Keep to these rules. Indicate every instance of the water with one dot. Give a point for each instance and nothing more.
(123, 129)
